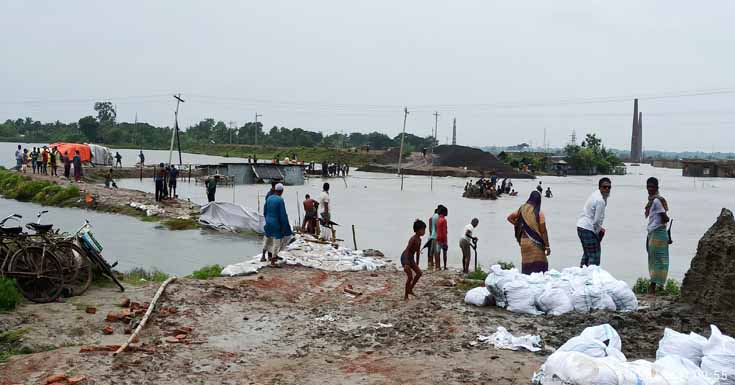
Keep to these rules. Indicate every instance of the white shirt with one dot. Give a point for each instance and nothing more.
(654, 219)
(593, 213)
(467, 233)
(324, 200)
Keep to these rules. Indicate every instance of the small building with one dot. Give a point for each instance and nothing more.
(704, 168)
(559, 167)
(251, 173)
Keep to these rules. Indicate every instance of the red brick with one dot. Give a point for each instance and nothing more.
(56, 378)
(91, 310)
(172, 340)
(125, 302)
(112, 317)
(107, 330)
(181, 336)
(76, 379)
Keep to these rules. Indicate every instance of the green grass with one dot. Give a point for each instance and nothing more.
(180, 224)
(23, 188)
(477, 275)
(139, 275)
(506, 265)
(671, 289)
(9, 295)
(307, 154)
(9, 344)
(207, 272)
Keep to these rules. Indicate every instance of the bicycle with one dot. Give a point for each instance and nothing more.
(75, 261)
(38, 273)
(94, 252)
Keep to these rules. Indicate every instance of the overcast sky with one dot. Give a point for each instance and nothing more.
(505, 69)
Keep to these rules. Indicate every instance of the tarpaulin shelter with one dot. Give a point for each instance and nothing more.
(90, 153)
(85, 153)
(231, 217)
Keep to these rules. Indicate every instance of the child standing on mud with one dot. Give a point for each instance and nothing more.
(410, 255)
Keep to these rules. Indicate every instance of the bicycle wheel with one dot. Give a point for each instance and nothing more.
(38, 273)
(77, 267)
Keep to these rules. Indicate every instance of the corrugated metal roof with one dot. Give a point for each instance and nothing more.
(271, 172)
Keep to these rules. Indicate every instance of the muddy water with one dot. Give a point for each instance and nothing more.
(383, 216)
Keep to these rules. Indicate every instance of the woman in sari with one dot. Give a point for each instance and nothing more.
(531, 235)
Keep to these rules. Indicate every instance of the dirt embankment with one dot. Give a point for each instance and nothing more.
(298, 326)
(117, 200)
(449, 160)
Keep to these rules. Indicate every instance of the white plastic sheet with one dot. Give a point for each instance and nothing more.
(503, 339)
(231, 217)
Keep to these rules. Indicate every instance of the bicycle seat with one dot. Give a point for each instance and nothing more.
(11, 230)
(39, 228)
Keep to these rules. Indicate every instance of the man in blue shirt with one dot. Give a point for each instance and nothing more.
(277, 228)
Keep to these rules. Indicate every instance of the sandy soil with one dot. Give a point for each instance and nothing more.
(295, 325)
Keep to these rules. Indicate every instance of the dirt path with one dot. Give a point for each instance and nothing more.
(297, 326)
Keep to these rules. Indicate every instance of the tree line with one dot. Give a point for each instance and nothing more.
(105, 129)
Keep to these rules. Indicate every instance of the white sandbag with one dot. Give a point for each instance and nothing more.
(496, 281)
(605, 334)
(586, 297)
(575, 368)
(478, 296)
(688, 346)
(521, 297)
(624, 298)
(591, 347)
(554, 300)
(242, 268)
(719, 357)
(676, 370)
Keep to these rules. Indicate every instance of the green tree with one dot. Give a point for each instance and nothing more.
(105, 112)
(89, 126)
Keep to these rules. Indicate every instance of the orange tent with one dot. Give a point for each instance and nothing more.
(84, 152)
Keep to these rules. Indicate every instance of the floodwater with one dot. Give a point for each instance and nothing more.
(383, 215)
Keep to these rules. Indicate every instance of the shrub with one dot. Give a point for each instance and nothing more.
(9, 344)
(477, 275)
(207, 272)
(506, 265)
(9, 295)
(181, 224)
(671, 289)
(139, 274)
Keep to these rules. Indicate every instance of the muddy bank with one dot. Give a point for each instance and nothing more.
(295, 325)
(118, 200)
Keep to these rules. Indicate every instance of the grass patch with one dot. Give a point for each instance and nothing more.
(152, 218)
(477, 275)
(180, 224)
(671, 289)
(10, 344)
(207, 272)
(23, 188)
(9, 295)
(506, 265)
(467, 284)
(139, 275)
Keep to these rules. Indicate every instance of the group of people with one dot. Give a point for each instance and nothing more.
(488, 188)
(165, 178)
(277, 228)
(335, 169)
(532, 235)
(540, 189)
(40, 160)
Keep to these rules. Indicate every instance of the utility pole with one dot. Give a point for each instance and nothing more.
(403, 136)
(175, 131)
(436, 127)
(257, 115)
(232, 124)
(135, 127)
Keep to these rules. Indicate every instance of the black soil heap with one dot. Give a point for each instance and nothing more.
(710, 281)
(472, 158)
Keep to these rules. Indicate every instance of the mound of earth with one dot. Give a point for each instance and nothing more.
(709, 281)
(472, 158)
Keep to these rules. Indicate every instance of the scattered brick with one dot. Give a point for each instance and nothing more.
(172, 340)
(125, 302)
(112, 317)
(91, 310)
(56, 378)
(76, 379)
(181, 336)
(107, 330)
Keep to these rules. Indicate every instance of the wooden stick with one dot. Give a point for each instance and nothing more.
(354, 240)
(147, 314)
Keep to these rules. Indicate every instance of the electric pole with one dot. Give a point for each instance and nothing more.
(403, 136)
(175, 131)
(257, 115)
(436, 127)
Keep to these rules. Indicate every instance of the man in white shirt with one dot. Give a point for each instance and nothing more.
(326, 205)
(589, 223)
(465, 243)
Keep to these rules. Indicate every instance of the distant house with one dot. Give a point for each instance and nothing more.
(704, 168)
(248, 173)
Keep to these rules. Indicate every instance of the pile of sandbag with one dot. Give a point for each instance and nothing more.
(595, 357)
(306, 251)
(573, 289)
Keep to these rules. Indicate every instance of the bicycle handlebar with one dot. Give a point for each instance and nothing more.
(17, 217)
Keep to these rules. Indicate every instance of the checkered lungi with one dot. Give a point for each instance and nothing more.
(590, 247)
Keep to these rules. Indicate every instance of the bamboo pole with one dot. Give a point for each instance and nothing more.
(298, 208)
(354, 240)
(145, 317)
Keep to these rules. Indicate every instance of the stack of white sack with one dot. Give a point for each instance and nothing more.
(595, 357)
(314, 255)
(573, 289)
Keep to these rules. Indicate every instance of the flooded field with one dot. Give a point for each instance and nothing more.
(383, 216)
